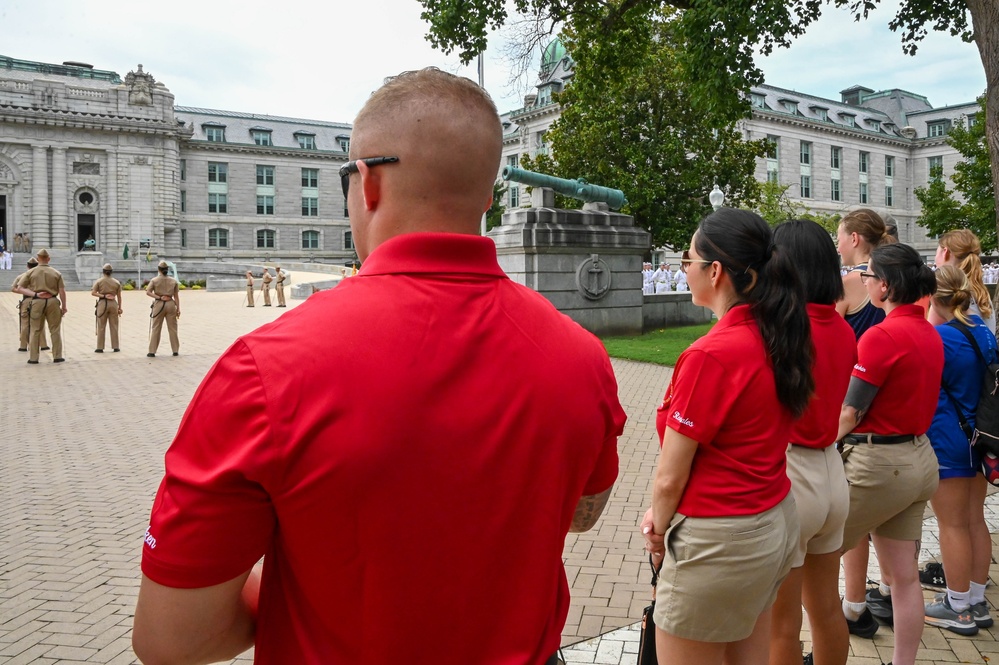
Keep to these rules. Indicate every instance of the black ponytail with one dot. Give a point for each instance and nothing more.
(765, 277)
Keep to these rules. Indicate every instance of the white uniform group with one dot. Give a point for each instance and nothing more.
(662, 279)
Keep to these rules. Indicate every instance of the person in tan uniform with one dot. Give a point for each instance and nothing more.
(266, 287)
(107, 309)
(166, 306)
(249, 289)
(279, 286)
(47, 290)
(24, 323)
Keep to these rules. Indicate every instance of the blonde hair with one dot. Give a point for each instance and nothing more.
(965, 247)
(953, 292)
(868, 225)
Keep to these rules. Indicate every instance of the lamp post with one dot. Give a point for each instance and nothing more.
(716, 197)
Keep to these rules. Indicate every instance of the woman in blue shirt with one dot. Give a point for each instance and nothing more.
(958, 503)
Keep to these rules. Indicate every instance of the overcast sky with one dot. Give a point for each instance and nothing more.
(320, 60)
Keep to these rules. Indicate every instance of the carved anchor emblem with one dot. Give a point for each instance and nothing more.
(593, 278)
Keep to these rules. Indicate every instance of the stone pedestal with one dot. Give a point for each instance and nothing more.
(588, 262)
(88, 266)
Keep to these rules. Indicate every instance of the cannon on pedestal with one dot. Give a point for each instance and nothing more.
(577, 189)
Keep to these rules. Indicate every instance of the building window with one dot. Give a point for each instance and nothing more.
(306, 141)
(310, 206)
(772, 175)
(758, 101)
(773, 147)
(265, 175)
(806, 187)
(849, 120)
(540, 143)
(215, 134)
(265, 205)
(936, 129)
(789, 106)
(863, 192)
(935, 164)
(183, 201)
(183, 169)
(889, 166)
(823, 114)
(218, 203)
(513, 160)
(218, 238)
(865, 158)
(835, 157)
(310, 177)
(972, 120)
(265, 238)
(218, 172)
(514, 196)
(310, 239)
(875, 124)
(261, 136)
(348, 240)
(889, 196)
(183, 238)
(806, 152)
(344, 143)
(834, 191)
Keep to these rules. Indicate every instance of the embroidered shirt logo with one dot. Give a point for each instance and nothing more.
(860, 368)
(683, 421)
(149, 540)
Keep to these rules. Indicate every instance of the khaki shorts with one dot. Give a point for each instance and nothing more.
(721, 573)
(889, 487)
(822, 496)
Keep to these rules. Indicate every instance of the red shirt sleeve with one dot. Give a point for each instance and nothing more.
(694, 405)
(875, 357)
(606, 469)
(212, 518)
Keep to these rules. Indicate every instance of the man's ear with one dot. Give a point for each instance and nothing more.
(371, 185)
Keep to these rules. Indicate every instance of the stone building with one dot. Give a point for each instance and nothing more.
(867, 149)
(85, 154)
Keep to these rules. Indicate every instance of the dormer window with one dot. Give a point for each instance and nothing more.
(306, 140)
(849, 119)
(937, 128)
(821, 113)
(343, 142)
(758, 101)
(875, 124)
(789, 105)
(261, 137)
(214, 132)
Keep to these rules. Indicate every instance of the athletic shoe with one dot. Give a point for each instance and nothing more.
(980, 613)
(932, 577)
(59, 360)
(98, 350)
(864, 626)
(25, 350)
(150, 355)
(940, 614)
(880, 606)
(45, 348)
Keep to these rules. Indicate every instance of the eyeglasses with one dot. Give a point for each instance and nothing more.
(865, 275)
(685, 261)
(351, 167)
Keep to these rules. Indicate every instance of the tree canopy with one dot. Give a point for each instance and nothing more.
(721, 37)
(629, 125)
(972, 178)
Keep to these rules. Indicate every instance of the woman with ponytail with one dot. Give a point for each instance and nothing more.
(959, 502)
(722, 514)
(859, 233)
(888, 459)
(961, 248)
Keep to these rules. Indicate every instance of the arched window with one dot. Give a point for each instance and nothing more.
(266, 238)
(218, 238)
(310, 239)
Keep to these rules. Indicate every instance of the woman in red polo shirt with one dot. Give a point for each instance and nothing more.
(889, 406)
(722, 520)
(814, 466)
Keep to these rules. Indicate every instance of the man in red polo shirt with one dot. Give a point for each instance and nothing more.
(406, 452)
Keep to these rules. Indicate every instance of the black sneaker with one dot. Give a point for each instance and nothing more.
(808, 659)
(880, 606)
(932, 577)
(864, 626)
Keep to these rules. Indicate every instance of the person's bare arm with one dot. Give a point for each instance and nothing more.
(588, 511)
(62, 299)
(194, 626)
(672, 474)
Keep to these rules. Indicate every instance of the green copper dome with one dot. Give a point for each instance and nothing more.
(552, 55)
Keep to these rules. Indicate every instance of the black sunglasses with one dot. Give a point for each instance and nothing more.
(351, 167)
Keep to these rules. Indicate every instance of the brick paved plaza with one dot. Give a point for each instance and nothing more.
(81, 455)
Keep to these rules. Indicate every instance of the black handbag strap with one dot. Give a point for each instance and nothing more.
(954, 323)
(655, 571)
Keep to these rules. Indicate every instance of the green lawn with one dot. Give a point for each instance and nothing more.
(661, 347)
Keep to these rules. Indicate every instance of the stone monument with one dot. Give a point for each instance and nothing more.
(586, 262)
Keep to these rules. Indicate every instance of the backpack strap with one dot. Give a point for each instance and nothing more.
(954, 323)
